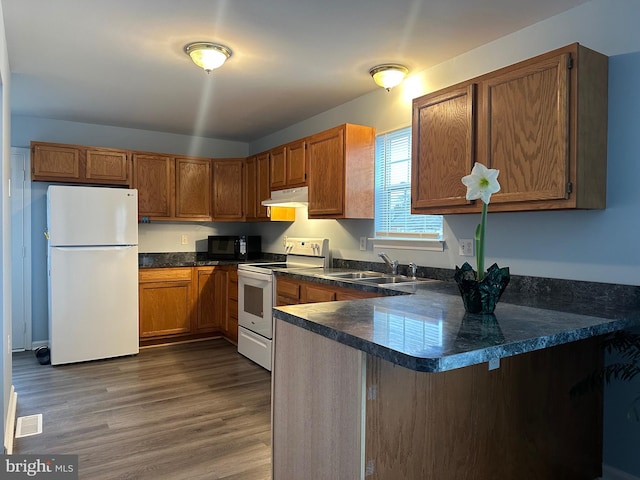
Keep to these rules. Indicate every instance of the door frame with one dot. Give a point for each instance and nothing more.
(21, 246)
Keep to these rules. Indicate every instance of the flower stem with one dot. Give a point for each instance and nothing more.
(480, 232)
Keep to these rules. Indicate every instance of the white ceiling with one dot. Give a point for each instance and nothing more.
(121, 62)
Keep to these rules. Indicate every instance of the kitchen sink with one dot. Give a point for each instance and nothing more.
(389, 279)
(354, 275)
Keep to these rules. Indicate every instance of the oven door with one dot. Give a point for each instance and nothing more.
(255, 301)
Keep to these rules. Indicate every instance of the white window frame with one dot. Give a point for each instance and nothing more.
(397, 239)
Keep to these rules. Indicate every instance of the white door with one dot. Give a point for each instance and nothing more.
(92, 215)
(20, 249)
(93, 303)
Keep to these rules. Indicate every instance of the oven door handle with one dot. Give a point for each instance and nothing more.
(263, 277)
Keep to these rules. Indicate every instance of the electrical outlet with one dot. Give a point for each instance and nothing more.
(363, 243)
(465, 246)
(183, 240)
(284, 241)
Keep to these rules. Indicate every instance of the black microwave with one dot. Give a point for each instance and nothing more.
(234, 247)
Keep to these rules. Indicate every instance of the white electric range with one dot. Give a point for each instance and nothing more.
(257, 294)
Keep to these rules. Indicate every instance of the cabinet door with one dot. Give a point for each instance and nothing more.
(296, 163)
(257, 187)
(251, 189)
(524, 130)
(221, 310)
(228, 196)
(193, 188)
(443, 147)
(278, 168)
(153, 177)
(263, 185)
(166, 302)
(108, 166)
(206, 319)
(56, 163)
(326, 173)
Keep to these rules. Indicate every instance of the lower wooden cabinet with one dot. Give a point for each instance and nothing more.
(165, 302)
(292, 292)
(185, 303)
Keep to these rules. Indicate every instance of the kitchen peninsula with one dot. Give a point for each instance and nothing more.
(410, 387)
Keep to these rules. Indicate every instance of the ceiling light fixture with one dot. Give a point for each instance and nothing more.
(207, 55)
(388, 75)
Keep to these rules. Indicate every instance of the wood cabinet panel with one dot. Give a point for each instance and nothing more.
(108, 166)
(184, 303)
(257, 187)
(54, 162)
(443, 148)
(206, 318)
(166, 302)
(525, 130)
(541, 122)
(228, 192)
(193, 188)
(57, 162)
(154, 179)
(289, 165)
(313, 294)
(278, 167)
(341, 172)
(414, 422)
(292, 292)
(296, 163)
(331, 405)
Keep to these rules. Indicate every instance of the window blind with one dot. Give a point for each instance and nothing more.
(393, 191)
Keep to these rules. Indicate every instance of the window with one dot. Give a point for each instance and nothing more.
(393, 191)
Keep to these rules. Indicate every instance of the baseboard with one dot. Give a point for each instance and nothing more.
(611, 473)
(10, 423)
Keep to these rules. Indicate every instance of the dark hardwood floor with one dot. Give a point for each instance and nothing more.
(191, 411)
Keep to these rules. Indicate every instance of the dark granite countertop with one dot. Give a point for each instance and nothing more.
(429, 331)
(190, 259)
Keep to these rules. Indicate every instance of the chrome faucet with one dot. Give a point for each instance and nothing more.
(413, 268)
(392, 265)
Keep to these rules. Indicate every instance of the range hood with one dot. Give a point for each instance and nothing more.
(290, 197)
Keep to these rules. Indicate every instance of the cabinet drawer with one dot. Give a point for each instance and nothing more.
(288, 289)
(315, 294)
(164, 274)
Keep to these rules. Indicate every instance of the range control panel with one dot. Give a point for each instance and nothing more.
(311, 247)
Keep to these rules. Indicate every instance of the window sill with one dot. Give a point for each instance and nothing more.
(408, 244)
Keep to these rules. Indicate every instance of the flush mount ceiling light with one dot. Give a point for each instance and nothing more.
(388, 75)
(207, 55)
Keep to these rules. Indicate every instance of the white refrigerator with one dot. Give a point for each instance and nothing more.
(93, 272)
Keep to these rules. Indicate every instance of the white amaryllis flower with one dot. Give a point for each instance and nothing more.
(482, 183)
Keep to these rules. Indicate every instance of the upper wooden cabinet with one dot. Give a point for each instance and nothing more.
(257, 187)
(228, 189)
(541, 122)
(341, 172)
(52, 162)
(444, 144)
(193, 188)
(288, 165)
(171, 188)
(153, 177)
